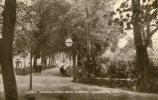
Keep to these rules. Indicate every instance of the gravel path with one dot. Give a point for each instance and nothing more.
(52, 80)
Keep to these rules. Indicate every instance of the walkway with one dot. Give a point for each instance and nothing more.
(52, 80)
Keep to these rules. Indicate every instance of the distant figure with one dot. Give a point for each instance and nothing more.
(62, 70)
(35, 69)
(39, 69)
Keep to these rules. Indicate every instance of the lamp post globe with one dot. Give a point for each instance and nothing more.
(68, 42)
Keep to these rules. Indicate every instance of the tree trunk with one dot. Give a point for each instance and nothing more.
(45, 62)
(0, 49)
(94, 65)
(35, 61)
(52, 60)
(9, 18)
(0, 52)
(143, 83)
(49, 61)
(42, 60)
(74, 66)
(142, 59)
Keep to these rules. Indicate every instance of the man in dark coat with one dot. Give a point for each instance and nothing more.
(39, 69)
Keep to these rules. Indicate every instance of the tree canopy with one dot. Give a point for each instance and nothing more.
(50, 23)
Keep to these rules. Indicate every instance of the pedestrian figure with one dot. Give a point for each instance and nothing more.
(40, 69)
(35, 69)
(62, 70)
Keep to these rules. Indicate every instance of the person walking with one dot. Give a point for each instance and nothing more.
(40, 69)
(62, 70)
(35, 69)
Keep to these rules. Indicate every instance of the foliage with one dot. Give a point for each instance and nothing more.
(57, 20)
(25, 29)
(51, 27)
(46, 24)
(147, 17)
(93, 15)
(144, 22)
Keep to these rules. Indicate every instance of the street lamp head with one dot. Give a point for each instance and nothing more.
(68, 42)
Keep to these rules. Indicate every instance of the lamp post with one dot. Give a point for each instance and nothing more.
(31, 56)
(31, 67)
(69, 43)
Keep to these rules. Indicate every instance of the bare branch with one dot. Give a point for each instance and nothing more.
(152, 32)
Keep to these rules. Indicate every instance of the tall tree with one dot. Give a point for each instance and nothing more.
(142, 59)
(89, 19)
(144, 23)
(9, 18)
